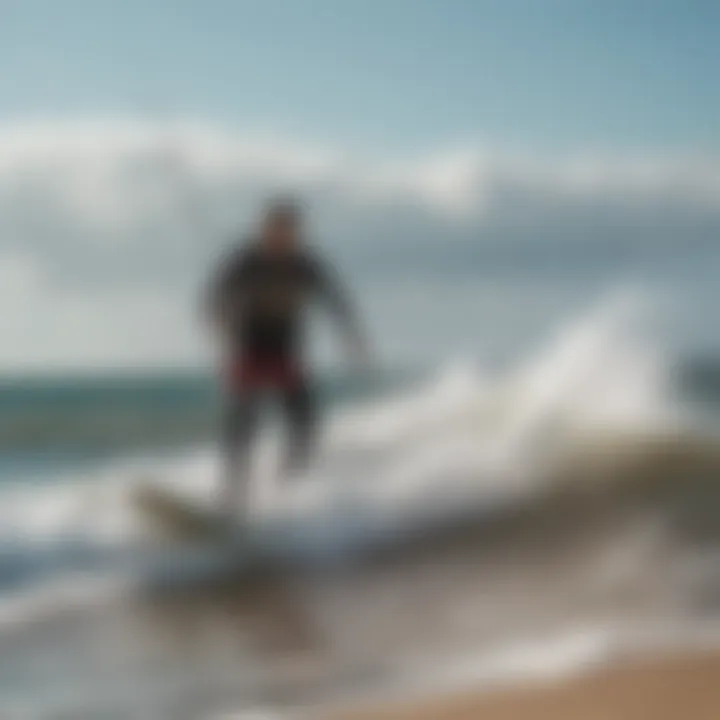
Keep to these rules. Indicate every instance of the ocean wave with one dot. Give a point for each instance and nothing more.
(593, 414)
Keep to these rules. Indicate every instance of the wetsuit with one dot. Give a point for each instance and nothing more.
(259, 298)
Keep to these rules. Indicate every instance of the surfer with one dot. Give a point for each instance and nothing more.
(257, 301)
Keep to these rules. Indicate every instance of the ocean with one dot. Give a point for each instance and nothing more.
(486, 518)
(49, 423)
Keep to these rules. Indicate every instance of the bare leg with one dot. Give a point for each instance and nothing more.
(301, 418)
(240, 426)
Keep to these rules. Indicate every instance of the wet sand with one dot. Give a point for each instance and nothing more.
(672, 688)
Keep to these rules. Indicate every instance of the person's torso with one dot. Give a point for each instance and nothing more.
(272, 292)
(275, 288)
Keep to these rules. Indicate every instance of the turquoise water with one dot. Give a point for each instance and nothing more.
(48, 425)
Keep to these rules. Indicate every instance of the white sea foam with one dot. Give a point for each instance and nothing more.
(466, 440)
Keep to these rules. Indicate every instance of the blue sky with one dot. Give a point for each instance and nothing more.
(480, 169)
(400, 76)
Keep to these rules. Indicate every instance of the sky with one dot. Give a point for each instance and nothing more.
(381, 75)
(480, 170)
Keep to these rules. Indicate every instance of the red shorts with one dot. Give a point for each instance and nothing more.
(251, 372)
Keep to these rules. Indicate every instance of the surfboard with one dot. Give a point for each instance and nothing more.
(180, 519)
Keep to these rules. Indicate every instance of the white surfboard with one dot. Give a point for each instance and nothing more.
(180, 519)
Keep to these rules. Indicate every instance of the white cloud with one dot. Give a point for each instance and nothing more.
(107, 227)
(91, 163)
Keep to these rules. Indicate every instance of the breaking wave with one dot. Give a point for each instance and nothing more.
(593, 414)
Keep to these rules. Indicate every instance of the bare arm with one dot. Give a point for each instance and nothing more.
(335, 297)
(222, 289)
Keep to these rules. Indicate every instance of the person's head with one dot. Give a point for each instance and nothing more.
(281, 226)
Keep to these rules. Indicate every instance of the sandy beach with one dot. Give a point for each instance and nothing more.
(686, 686)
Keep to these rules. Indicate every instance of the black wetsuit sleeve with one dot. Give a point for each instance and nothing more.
(332, 293)
(224, 285)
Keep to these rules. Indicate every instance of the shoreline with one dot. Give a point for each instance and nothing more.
(667, 686)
